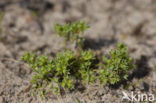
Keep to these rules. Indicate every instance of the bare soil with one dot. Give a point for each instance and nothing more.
(28, 25)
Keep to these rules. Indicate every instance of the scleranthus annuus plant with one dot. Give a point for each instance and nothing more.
(61, 71)
(117, 67)
(72, 32)
(67, 68)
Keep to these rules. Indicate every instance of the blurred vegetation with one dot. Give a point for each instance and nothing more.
(1, 17)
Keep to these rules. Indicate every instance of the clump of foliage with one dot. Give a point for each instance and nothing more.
(67, 68)
(64, 70)
(85, 64)
(116, 68)
(61, 71)
(72, 31)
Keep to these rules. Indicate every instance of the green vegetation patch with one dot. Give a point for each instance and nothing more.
(61, 71)
(117, 66)
(66, 69)
(72, 32)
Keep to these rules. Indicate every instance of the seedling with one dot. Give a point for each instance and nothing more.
(116, 68)
(71, 32)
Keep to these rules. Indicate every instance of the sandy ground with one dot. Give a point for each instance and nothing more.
(28, 25)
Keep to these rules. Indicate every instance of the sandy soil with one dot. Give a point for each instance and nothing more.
(28, 25)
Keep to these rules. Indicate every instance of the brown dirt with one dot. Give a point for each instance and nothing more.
(28, 25)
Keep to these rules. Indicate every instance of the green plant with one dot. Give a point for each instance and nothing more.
(61, 71)
(72, 31)
(85, 64)
(67, 68)
(116, 68)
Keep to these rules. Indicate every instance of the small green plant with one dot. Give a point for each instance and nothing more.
(116, 68)
(61, 71)
(85, 63)
(72, 31)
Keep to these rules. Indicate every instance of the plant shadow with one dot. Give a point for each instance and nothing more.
(97, 44)
(142, 68)
(39, 6)
(80, 87)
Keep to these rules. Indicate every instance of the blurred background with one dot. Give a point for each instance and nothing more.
(28, 25)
